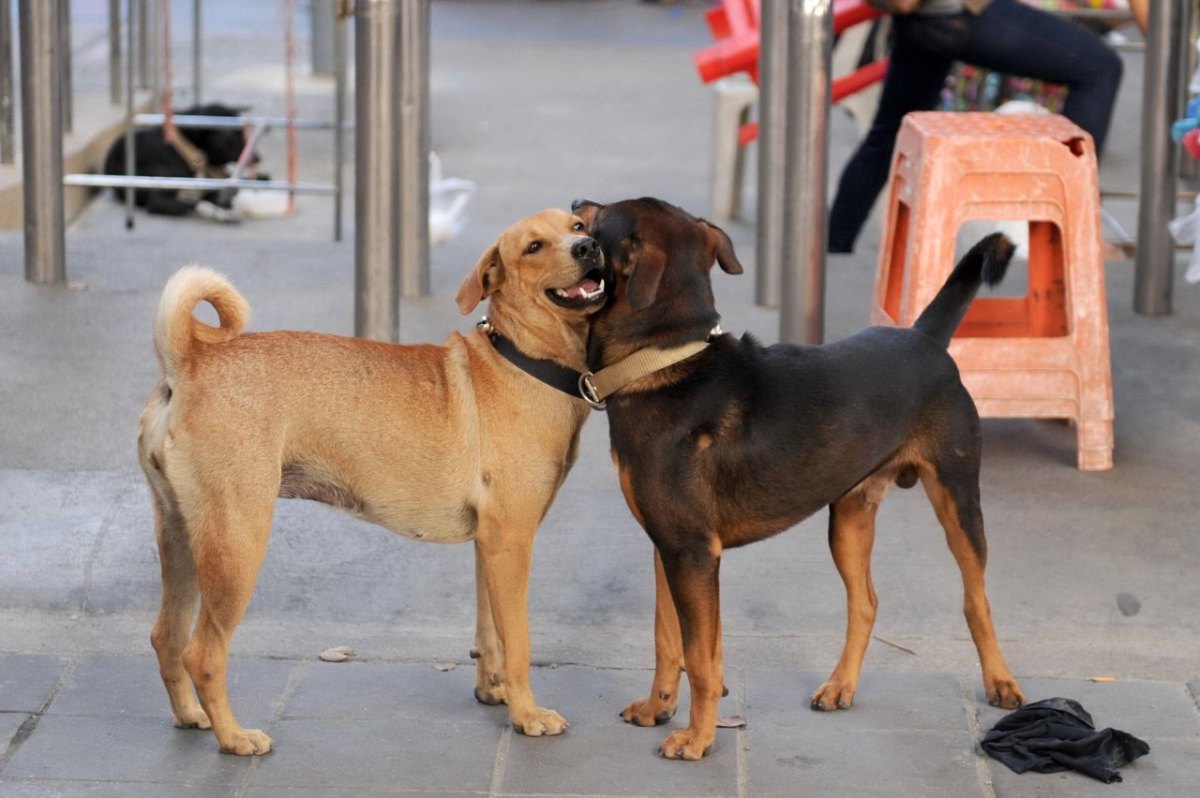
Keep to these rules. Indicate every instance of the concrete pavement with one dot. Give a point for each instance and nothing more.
(1090, 574)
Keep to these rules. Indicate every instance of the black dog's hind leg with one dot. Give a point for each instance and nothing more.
(951, 480)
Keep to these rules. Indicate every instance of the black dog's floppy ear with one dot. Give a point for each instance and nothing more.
(646, 263)
(722, 248)
(586, 210)
(482, 282)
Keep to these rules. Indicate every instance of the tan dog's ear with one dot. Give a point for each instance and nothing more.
(646, 265)
(586, 210)
(482, 282)
(722, 248)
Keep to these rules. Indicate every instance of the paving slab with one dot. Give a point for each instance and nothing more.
(379, 691)
(112, 789)
(861, 762)
(26, 680)
(130, 687)
(134, 749)
(884, 702)
(433, 754)
(607, 756)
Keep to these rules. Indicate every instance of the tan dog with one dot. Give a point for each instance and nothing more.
(443, 443)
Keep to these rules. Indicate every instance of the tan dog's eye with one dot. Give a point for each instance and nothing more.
(577, 226)
(533, 247)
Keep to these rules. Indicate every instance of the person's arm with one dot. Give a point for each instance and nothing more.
(1141, 13)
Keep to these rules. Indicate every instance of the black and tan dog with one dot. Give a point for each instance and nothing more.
(440, 443)
(724, 444)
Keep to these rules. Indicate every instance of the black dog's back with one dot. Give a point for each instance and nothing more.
(155, 157)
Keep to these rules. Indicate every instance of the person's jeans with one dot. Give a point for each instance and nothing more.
(1008, 37)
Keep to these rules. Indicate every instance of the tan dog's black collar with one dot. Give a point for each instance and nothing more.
(547, 371)
(597, 387)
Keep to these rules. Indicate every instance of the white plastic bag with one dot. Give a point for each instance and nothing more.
(1184, 230)
(448, 198)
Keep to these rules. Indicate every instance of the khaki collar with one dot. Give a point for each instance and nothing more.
(598, 386)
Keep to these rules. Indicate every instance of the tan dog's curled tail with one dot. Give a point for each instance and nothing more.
(176, 330)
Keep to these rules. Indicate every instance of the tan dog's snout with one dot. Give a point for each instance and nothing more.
(587, 252)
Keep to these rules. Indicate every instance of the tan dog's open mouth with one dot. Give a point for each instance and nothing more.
(585, 293)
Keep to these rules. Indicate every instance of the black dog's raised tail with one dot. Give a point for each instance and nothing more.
(985, 263)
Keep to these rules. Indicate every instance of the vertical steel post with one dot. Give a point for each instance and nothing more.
(66, 85)
(41, 133)
(772, 142)
(154, 32)
(376, 167)
(321, 17)
(130, 152)
(143, 42)
(1155, 247)
(114, 51)
(413, 176)
(806, 153)
(341, 11)
(7, 117)
(196, 76)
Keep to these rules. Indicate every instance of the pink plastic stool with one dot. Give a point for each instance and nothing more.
(1044, 355)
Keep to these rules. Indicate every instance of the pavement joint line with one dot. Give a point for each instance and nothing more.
(982, 768)
(501, 760)
(27, 727)
(98, 544)
(743, 740)
(289, 689)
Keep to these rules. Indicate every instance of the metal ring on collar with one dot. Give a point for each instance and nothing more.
(588, 391)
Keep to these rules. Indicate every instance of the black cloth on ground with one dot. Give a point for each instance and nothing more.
(1057, 734)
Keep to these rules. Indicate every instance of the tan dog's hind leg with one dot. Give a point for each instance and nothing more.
(488, 654)
(693, 576)
(174, 624)
(851, 538)
(228, 549)
(659, 706)
(958, 512)
(507, 554)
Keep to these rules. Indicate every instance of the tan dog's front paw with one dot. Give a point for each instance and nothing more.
(652, 711)
(1004, 693)
(192, 719)
(247, 742)
(833, 694)
(686, 744)
(540, 722)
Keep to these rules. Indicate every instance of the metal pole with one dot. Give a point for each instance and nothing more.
(376, 197)
(130, 152)
(114, 51)
(155, 35)
(321, 17)
(65, 83)
(7, 119)
(413, 175)
(1156, 249)
(802, 301)
(341, 12)
(143, 49)
(41, 133)
(772, 141)
(196, 52)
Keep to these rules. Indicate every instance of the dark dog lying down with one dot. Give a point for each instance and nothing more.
(736, 442)
(155, 157)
